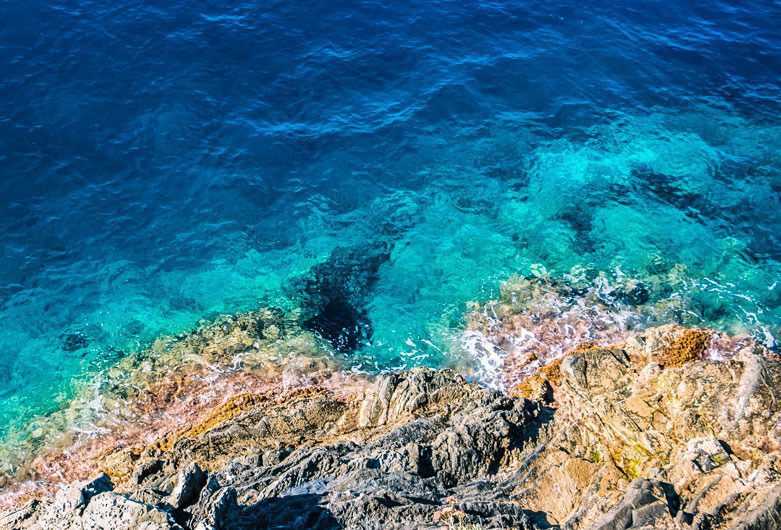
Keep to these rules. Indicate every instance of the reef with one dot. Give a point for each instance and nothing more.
(333, 294)
(593, 424)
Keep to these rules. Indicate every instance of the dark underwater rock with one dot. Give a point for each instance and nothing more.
(636, 295)
(581, 220)
(341, 323)
(333, 295)
(74, 341)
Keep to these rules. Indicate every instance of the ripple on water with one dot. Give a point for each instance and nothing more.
(447, 218)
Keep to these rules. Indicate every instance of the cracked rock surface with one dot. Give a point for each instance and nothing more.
(643, 434)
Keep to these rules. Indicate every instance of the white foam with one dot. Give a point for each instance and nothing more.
(489, 356)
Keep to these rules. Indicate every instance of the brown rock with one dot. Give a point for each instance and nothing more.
(647, 433)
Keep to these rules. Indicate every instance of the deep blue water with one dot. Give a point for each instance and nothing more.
(163, 162)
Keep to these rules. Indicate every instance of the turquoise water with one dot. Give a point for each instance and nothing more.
(375, 168)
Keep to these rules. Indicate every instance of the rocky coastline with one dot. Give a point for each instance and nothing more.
(657, 427)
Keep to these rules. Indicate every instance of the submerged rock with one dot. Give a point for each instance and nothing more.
(72, 342)
(334, 294)
(651, 432)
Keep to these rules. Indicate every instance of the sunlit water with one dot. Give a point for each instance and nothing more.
(374, 166)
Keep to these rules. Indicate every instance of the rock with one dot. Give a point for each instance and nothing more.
(573, 368)
(216, 510)
(644, 504)
(423, 434)
(479, 441)
(706, 454)
(647, 433)
(111, 511)
(80, 497)
(146, 469)
(189, 483)
(766, 516)
(540, 385)
(19, 518)
(69, 503)
(671, 345)
(72, 342)
(397, 395)
(709, 429)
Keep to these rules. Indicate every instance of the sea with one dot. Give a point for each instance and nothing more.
(372, 167)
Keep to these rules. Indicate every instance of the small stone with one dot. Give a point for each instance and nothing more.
(573, 368)
(706, 454)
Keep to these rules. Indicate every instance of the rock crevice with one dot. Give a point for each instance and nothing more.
(647, 433)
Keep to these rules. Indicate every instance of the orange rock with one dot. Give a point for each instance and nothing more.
(687, 345)
(541, 384)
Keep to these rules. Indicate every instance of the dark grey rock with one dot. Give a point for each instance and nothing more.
(111, 511)
(645, 503)
(189, 483)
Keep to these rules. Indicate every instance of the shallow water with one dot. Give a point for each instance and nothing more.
(372, 167)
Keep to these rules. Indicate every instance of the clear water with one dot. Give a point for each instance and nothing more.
(164, 162)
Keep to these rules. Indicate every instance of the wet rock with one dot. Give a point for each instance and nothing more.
(636, 295)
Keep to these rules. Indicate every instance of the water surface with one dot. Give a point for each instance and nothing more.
(373, 165)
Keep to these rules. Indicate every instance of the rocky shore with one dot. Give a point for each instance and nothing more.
(662, 427)
(642, 434)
